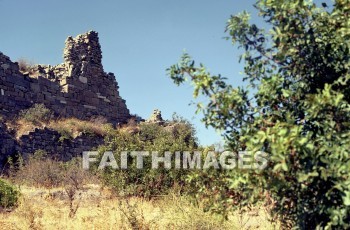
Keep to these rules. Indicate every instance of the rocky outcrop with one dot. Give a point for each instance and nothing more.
(79, 87)
(156, 117)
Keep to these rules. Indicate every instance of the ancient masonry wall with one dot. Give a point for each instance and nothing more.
(47, 140)
(77, 88)
(57, 147)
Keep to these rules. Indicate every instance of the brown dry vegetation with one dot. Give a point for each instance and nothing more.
(57, 195)
(25, 65)
(38, 116)
(99, 209)
(71, 127)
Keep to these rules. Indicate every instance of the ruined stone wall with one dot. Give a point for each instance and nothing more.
(57, 147)
(45, 139)
(79, 87)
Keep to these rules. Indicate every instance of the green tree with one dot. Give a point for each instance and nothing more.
(295, 107)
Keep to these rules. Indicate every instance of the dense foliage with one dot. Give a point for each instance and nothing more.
(178, 135)
(295, 107)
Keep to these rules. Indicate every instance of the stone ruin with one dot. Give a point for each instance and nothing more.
(79, 87)
(156, 117)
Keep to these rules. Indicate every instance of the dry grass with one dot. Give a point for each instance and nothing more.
(75, 127)
(93, 207)
(22, 127)
(49, 209)
(69, 127)
(72, 127)
(131, 127)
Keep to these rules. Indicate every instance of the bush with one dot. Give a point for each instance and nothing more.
(38, 113)
(147, 182)
(8, 194)
(41, 171)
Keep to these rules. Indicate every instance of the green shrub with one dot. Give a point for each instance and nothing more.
(147, 182)
(8, 194)
(36, 114)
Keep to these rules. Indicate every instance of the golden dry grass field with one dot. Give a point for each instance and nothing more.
(97, 208)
